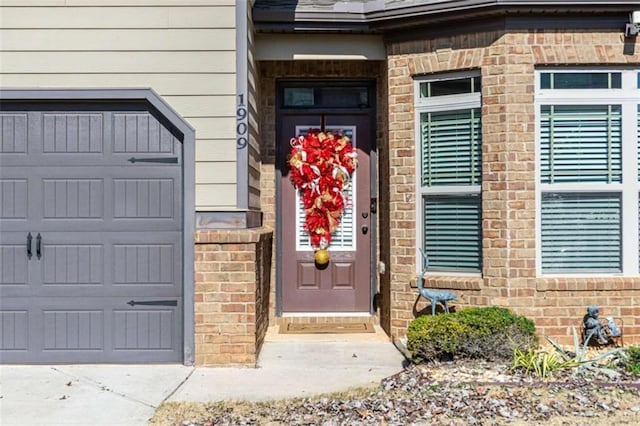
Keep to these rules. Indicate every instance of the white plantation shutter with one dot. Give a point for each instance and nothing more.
(452, 232)
(581, 232)
(581, 143)
(451, 147)
(343, 239)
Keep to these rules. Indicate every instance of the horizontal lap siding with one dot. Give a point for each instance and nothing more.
(183, 49)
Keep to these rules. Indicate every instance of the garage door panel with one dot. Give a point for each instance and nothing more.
(73, 264)
(14, 330)
(144, 198)
(89, 329)
(13, 199)
(13, 134)
(141, 133)
(79, 133)
(139, 329)
(73, 329)
(116, 199)
(13, 265)
(98, 187)
(85, 138)
(72, 198)
(90, 264)
(144, 264)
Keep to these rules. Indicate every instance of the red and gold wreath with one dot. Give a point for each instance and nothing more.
(321, 165)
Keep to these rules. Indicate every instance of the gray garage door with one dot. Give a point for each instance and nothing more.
(90, 235)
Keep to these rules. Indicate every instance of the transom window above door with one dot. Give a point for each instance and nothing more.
(309, 96)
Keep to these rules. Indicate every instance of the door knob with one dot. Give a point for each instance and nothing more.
(365, 229)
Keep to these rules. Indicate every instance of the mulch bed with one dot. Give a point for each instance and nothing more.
(464, 393)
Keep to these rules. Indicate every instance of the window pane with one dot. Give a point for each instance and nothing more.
(451, 147)
(580, 80)
(344, 97)
(299, 97)
(581, 143)
(452, 232)
(321, 97)
(450, 87)
(581, 232)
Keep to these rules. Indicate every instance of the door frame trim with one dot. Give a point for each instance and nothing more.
(371, 112)
(181, 130)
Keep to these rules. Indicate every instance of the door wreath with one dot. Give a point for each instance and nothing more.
(321, 165)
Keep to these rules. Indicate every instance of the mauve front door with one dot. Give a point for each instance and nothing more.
(344, 284)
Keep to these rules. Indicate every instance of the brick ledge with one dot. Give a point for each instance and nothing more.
(453, 283)
(587, 284)
(230, 236)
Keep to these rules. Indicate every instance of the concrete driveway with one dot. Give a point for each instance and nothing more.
(289, 366)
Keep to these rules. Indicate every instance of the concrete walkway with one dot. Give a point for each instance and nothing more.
(289, 366)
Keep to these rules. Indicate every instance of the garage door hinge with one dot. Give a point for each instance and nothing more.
(169, 160)
(154, 303)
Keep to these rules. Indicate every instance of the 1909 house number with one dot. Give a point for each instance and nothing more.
(241, 123)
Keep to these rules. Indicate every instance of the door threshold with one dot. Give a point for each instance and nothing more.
(325, 314)
(273, 335)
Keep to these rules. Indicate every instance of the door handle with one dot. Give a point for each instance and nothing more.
(365, 229)
(29, 238)
(39, 246)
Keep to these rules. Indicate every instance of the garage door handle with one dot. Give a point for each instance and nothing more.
(154, 303)
(29, 238)
(39, 246)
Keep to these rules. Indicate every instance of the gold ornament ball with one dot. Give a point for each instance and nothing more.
(322, 257)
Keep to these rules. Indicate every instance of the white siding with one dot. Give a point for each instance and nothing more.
(183, 49)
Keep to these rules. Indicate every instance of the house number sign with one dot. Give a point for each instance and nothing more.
(241, 123)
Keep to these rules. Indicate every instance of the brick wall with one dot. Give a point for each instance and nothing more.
(507, 62)
(232, 286)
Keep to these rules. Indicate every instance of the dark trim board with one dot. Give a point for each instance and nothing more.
(182, 131)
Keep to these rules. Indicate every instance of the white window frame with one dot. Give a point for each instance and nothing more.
(629, 98)
(440, 104)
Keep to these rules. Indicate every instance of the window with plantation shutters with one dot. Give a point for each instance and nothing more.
(452, 233)
(580, 143)
(581, 232)
(589, 172)
(451, 147)
(449, 131)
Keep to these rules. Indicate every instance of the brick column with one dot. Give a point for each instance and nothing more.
(232, 285)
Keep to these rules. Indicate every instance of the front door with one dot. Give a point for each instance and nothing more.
(345, 284)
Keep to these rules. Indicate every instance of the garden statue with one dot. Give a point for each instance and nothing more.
(593, 328)
(614, 331)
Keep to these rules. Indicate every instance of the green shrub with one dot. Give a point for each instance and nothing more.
(631, 359)
(489, 333)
